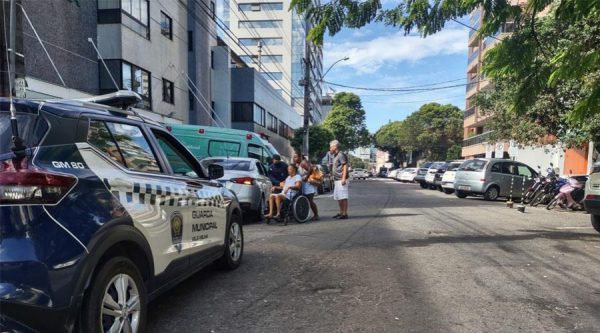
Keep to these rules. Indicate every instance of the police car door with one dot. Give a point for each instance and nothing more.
(121, 154)
(204, 214)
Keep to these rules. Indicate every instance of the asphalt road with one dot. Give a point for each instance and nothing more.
(408, 260)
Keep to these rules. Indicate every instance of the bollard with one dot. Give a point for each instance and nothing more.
(521, 207)
(510, 203)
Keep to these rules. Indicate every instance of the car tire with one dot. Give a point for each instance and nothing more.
(111, 275)
(448, 190)
(234, 245)
(460, 194)
(596, 222)
(423, 185)
(260, 211)
(491, 194)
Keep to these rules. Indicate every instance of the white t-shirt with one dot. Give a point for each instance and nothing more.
(289, 182)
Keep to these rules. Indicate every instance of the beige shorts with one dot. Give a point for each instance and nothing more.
(340, 192)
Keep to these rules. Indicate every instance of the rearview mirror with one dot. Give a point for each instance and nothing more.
(215, 171)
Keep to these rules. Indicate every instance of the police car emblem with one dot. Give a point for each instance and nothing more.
(176, 227)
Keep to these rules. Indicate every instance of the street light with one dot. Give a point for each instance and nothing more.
(330, 67)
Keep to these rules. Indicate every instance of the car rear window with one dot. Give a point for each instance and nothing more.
(455, 165)
(32, 128)
(426, 165)
(233, 165)
(473, 165)
(437, 165)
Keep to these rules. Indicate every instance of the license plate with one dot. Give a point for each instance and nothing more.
(464, 188)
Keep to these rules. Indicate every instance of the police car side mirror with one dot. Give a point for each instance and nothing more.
(215, 171)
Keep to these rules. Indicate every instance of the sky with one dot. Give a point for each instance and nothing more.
(383, 57)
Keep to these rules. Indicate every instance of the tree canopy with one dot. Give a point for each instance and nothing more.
(435, 130)
(346, 121)
(318, 141)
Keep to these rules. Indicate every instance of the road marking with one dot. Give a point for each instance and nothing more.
(573, 228)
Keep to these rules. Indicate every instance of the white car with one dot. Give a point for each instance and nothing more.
(448, 178)
(359, 174)
(407, 175)
(393, 173)
(248, 179)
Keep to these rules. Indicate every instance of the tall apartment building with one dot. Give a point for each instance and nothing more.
(272, 39)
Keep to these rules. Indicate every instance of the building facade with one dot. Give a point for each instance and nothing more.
(272, 39)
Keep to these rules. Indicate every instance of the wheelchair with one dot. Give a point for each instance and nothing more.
(297, 209)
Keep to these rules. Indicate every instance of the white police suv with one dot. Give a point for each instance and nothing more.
(100, 211)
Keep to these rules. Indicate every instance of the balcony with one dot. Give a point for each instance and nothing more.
(472, 84)
(470, 111)
(473, 56)
(477, 139)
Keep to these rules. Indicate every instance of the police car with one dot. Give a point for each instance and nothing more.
(102, 211)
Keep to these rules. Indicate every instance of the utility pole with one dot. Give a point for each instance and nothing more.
(259, 55)
(307, 67)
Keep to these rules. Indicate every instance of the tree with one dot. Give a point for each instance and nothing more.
(346, 121)
(358, 163)
(318, 140)
(576, 59)
(435, 130)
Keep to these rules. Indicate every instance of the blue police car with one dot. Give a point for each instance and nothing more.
(100, 211)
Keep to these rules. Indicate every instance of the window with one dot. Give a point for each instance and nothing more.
(229, 164)
(168, 91)
(524, 171)
(138, 9)
(213, 9)
(260, 116)
(272, 123)
(508, 168)
(260, 169)
(258, 153)
(265, 59)
(179, 163)
(272, 75)
(260, 24)
(265, 41)
(100, 137)
(256, 7)
(138, 80)
(212, 59)
(190, 41)
(242, 112)
(223, 148)
(166, 26)
(473, 165)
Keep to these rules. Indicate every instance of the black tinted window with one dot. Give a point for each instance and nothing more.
(100, 137)
(32, 129)
(134, 147)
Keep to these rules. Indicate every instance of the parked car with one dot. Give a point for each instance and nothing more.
(592, 196)
(433, 178)
(492, 178)
(103, 211)
(382, 172)
(248, 179)
(421, 173)
(392, 174)
(327, 185)
(407, 175)
(449, 175)
(359, 174)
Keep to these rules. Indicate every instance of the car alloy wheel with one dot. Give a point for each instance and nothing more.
(121, 306)
(235, 241)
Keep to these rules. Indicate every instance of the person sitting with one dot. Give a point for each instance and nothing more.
(277, 171)
(289, 189)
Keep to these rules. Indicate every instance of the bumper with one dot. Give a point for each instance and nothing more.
(448, 184)
(592, 206)
(469, 187)
(420, 179)
(19, 317)
(247, 195)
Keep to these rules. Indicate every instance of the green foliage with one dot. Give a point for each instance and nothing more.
(346, 121)
(434, 129)
(358, 163)
(454, 153)
(318, 141)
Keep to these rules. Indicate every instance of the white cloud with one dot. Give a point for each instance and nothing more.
(369, 56)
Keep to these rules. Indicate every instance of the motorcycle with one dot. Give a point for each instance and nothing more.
(537, 189)
(571, 194)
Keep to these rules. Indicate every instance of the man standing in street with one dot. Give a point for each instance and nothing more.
(340, 175)
(277, 171)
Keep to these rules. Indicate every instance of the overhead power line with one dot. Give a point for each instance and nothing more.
(404, 89)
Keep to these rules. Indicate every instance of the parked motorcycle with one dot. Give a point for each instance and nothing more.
(537, 189)
(571, 194)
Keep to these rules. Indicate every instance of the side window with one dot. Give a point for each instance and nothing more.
(180, 164)
(524, 171)
(100, 137)
(260, 169)
(134, 147)
(257, 152)
(223, 148)
(496, 168)
(508, 168)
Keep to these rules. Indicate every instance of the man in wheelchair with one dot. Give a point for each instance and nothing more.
(290, 203)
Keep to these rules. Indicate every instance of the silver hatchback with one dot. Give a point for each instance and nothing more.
(493, 178)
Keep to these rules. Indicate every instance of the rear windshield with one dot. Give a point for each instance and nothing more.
(437, 165)
(32, 129)
(426, 165)
(230, 164)
(454, 165)
(473, 165)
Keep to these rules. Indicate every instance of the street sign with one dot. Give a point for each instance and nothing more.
(513, 148)
(489, 149)
(499, 153)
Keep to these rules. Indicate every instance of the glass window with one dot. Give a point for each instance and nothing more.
(265, 41)
(508, 168)
(260, 169)
(228, 164)
(134, 147)
(524, 171)
(496, 168)
(138, 80)
(265, 59)
(242, 112)
(168, 91)
(100, 137)
(166, 26)
(258, 153)
(223, 148)
(179, 163)
(272, 123)
(259, 115)
(473, 165)
(256, 7)
(260, 24)
(138, 9)
(273, 75)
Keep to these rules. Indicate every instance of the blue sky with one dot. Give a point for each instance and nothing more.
(382, 56)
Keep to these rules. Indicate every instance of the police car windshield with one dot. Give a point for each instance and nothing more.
(228, 164)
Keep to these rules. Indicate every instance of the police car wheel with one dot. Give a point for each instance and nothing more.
(116, 301)
(234, 245)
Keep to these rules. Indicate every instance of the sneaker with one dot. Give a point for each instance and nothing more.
(343, 217)
(337, 216)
